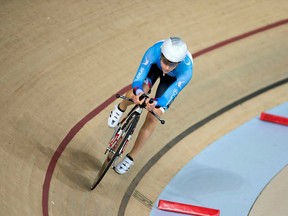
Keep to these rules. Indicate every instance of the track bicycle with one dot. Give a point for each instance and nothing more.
(121, 136)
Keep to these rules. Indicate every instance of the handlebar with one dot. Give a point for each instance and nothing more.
(142, 105)
(123, 97)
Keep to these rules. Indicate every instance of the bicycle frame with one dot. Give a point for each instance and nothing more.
(120, 131)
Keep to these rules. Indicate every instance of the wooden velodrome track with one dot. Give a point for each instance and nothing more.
(62, 60)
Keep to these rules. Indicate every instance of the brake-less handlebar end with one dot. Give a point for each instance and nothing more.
(118, 95)
(162, 121)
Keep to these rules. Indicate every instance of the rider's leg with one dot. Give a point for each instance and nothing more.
(145, 132)
(124, 103)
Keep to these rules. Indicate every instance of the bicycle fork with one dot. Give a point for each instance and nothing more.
(119, 134)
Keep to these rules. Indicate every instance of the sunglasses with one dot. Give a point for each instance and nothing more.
(167, 62)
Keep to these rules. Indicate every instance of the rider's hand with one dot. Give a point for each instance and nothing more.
(150, 106)
(136, 99)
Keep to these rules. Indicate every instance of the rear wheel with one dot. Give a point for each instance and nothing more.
(112, 155)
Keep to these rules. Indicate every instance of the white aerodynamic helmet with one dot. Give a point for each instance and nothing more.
(174, 49)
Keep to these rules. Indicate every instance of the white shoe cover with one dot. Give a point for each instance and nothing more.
(114, 117)
(124, 166)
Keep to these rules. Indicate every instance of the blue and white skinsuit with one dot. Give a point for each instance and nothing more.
(182, 75)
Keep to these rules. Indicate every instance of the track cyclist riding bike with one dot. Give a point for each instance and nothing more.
(168, 60)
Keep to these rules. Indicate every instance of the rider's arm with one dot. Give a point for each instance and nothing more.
(148, 59)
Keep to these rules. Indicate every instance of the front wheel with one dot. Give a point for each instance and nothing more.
(104, 168)
(113, 155)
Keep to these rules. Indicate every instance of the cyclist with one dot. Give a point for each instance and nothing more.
(168, 60)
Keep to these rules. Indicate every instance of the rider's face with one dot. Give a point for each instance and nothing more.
(166, 65)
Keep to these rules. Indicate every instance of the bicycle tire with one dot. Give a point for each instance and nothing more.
(130, 126)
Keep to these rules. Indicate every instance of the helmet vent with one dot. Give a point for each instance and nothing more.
(175, 40)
